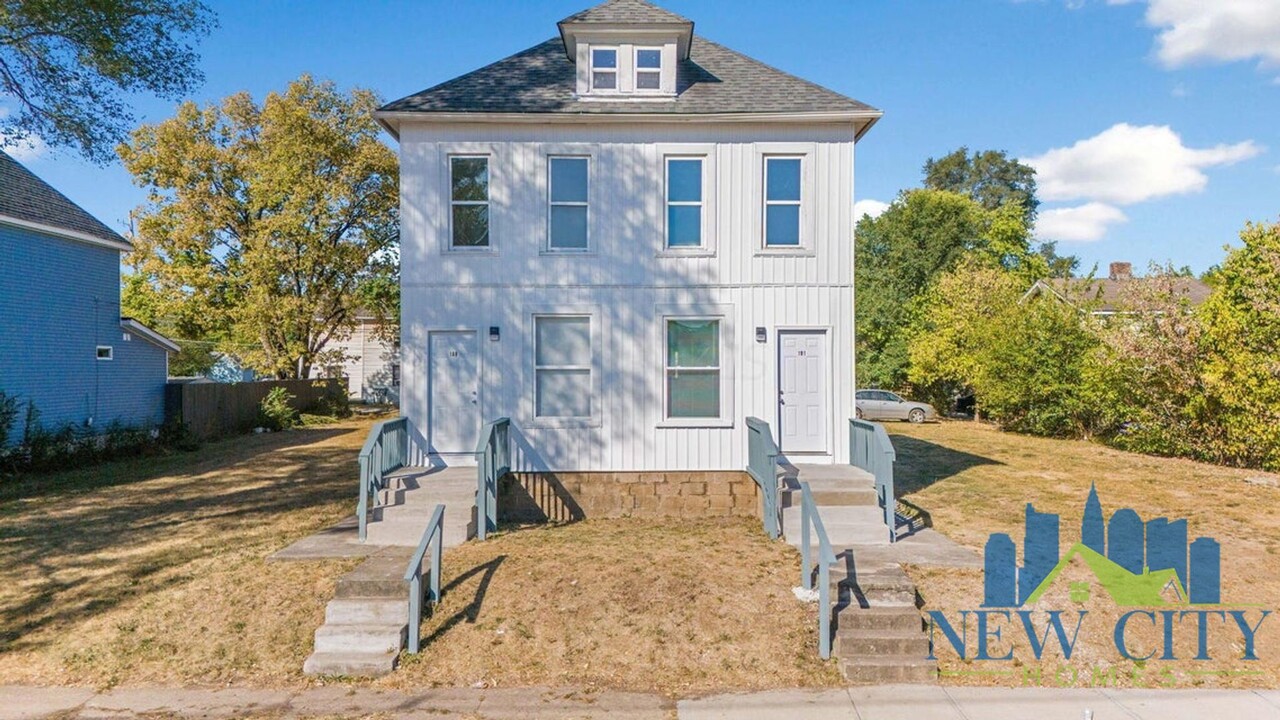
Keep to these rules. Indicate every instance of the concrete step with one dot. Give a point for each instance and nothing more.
(367, 611)
(845, 525)
(351, 664)
(408, 533)
(832, 495)
(387, 587)
(889, 669)
(875, 643)
(880, 588)
(852, 619)
(373, 639)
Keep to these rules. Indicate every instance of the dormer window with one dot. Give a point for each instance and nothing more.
(604, 69)
(649, 69)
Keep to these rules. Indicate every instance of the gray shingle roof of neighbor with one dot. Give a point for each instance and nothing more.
(24, 196)
(1111, 295)
(713, 80)
(625, 11)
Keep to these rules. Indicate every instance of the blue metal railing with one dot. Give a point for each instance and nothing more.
(809, 517)
(762, 466)
(493, 460)
(871, 450)
(433, 538)
(385, 451)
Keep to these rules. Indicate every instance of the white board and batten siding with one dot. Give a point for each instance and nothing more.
(627, 284)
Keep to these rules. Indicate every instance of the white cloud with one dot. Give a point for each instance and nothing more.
(868, 207)
(25, 149)
(1084, 223)
(1214, 30)
(1128, 164)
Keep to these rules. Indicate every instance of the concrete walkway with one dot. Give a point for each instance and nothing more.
(905, 702)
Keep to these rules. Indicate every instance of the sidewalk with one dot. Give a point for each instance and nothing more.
(904, 702)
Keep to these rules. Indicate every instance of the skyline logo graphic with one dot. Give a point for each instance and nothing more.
(1136, 563)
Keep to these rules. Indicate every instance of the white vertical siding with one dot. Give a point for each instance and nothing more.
(626, 278)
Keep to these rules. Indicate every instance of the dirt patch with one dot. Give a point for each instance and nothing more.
(973, 480)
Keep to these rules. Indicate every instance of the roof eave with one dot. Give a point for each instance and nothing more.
(149, 334)
(390, 119)
(119, 244)
(684, 29)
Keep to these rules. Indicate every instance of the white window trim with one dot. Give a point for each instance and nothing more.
(805, 152)
(616, 70)
(636, 70)
(707, 154)
(444, 171)
(111, 353)
(798, 204)
(530, 404)
(723, 314)
(488, 201)
(547, 247)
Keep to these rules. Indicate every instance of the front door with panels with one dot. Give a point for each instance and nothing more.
(455, 391)
(803, 391)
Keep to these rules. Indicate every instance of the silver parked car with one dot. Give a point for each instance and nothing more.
(884, 405)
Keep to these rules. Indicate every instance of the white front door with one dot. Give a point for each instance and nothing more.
(455, 391)
(802, 390)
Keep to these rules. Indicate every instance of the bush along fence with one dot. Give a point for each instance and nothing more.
(210, 410)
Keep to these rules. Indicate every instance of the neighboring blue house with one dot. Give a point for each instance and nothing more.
(63, 342)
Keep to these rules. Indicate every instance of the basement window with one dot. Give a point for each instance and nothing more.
(105, 352)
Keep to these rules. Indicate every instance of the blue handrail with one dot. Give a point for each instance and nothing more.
(433, 538)
(762, 466)
(871, 450)
(826, 558)
(493, 460)
(385, 450)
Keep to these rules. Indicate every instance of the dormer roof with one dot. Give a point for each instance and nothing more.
(625, 17)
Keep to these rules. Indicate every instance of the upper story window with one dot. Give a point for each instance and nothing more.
(567, 221)
(648, 69)
(469, 202)
(782, 202)
(604, 68)
(684, 202)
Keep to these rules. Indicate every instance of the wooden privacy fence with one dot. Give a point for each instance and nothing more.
(212, 410)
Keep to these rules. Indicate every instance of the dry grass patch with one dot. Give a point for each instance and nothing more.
(153, 570)
(974, 480)
(671, 606)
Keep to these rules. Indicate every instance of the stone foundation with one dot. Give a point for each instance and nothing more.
(566, 496)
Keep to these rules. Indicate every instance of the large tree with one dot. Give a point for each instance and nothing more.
(66, 66)
(267, 224)
(992, 178)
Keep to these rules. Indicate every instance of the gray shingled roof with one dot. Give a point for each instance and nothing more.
(542, 79)
(1112, 295)
(26, 197)
(625, 11)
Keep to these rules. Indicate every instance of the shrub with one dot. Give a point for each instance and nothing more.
(8, 414)
(334, 403)
(276, 411)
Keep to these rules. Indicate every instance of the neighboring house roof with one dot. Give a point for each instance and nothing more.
(613, 12)
(714, 80)
(148, 334)
(1107, 295)
(27, 201)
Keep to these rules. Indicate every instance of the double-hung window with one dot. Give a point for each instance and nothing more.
(648, 69)
(604, 69)
(684, 202)
(469, 201)
(693, 368)
(562, 366)
(567, 221)
(782, 202)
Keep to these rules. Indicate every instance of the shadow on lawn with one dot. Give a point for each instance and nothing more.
(472, 609)
(921, 463)
(78, 555)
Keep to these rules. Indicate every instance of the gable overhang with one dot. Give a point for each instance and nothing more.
(391, 120)
(149, 335)
(121, 244)
(626, 32)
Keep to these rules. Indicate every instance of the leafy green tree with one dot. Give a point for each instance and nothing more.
(67, 66)
(990, 177)
(265, 223)
(140, 300)
(923, 234)
(1241, 346)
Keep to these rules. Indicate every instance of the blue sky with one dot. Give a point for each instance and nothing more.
(1152, 122)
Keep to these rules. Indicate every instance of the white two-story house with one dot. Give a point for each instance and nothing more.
(627, 239)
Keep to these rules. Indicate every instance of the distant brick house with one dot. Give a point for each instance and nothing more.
(64, 345)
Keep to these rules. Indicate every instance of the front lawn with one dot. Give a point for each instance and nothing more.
(973, 480)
